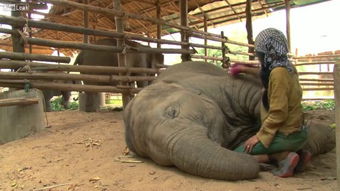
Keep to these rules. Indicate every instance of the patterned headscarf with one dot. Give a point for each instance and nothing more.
(274, 46)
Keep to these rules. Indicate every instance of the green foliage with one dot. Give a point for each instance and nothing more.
(325, 105)
(57, 106)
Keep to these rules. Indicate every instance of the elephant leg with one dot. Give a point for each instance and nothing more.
(65, 98)
(89, 102)
(141, 84)
(48, 107)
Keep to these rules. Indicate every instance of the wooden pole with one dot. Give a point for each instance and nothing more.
(86, 22)
(206, 57)
(249, 27)
(120, 43)
(17, 41)
(159, 27)
(65, 76)
(65, 87)
(37, 57)
(84, 46)
(337, 116)
(29, 28)
(75, 29)
(287, 2)
(184, 23)
(225, 64)
(205, 39)
(6, 64)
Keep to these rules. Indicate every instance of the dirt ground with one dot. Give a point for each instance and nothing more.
(83, 151)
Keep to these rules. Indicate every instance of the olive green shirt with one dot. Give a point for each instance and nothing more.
(285, 113)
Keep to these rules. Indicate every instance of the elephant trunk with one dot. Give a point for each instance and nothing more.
(192, 151)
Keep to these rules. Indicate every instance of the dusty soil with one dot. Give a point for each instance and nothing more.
(80, 151)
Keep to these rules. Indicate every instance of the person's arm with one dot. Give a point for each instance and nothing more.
(278, 105)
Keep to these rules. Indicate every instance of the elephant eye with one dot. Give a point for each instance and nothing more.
(171, 111)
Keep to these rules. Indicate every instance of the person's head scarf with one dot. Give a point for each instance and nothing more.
(273, 45)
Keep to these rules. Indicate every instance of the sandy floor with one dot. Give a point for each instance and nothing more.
(80, 151)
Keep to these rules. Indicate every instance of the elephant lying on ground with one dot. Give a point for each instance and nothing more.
(105, 58)
(194, 115)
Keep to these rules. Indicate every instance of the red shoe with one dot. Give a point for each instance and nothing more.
(287, 166)
(305, 158)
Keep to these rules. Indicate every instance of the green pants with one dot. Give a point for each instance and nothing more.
(292, 142)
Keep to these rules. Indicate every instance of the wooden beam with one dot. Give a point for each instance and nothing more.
(80, 30)
(231, 17)
(232, 9)
(287, 2)
(336, 74)
(17, 41)
(77, 77)
(159, 27)
(205, 39)
(37, 57)
(18, 101)
(184, 23)
(126, 97)
(65, 87)
(249, 27)
(6, 64)
(85, 22)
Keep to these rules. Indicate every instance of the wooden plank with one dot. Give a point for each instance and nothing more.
(337, 116)
(66, 87)
(37, 57)
(18, 101)
(65, 76)
(75, 68)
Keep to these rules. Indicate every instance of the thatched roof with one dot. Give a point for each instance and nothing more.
(217, 13)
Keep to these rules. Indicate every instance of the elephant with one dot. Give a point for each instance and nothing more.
(104, 58)
(194, 114)
(49, 94)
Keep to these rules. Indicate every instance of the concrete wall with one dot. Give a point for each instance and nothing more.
(20, 121)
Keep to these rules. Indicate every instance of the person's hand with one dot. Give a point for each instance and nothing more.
(250, 143)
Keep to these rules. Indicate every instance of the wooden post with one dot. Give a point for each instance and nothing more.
(288, 22)
(337, 116)
(120, 43)
(224, 63)
(205, 39)
(249, 27)
(29, 28)
(184, 22)
(159, 27)
(17, 41)
(86, 22)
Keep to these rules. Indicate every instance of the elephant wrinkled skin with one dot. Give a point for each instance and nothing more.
(192, 116)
